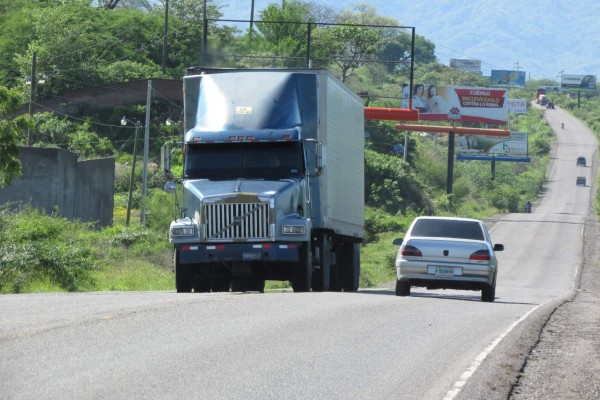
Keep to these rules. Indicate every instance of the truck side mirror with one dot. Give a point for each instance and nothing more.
(319, 154)
(170, 187)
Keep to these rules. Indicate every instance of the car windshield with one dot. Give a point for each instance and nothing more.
(448, 229)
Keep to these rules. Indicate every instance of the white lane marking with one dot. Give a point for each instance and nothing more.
(458, 385)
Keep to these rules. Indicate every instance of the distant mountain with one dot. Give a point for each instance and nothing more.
(540, 37)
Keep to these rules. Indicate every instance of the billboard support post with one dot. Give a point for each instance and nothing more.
(449, 177)
(494, 168)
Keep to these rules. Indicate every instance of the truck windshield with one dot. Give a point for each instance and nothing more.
(243, 160)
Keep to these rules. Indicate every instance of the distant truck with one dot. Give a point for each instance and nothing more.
(540, 91)
(542, 100)
(273, 182)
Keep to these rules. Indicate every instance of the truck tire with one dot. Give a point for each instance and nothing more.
(220, 284)
(302, 270)
(201, 285)
(248, 285)
(239, 285)
(322, 276)
(350, 267)
(183, 275)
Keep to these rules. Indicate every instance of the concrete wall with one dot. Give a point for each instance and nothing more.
(94, 197)
(54, 181)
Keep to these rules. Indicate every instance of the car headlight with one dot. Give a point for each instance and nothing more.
(182, 231)
(293, 229)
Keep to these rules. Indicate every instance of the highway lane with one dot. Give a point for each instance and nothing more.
(370, 344)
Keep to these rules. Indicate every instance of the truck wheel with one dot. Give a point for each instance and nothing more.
(183, 275)
(256, 285)
(350, 267)
(335, 280)
(201, 285)
(321, 276)
(302, 270)
(239, 285)
(220, 285)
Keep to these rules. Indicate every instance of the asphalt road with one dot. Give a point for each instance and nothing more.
(371, 344)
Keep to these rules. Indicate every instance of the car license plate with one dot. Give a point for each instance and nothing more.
(443, 271)
(251, 256)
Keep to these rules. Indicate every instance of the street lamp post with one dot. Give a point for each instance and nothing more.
(138, 125)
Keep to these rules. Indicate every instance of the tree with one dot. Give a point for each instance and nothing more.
(353, 42)
(282, 37)
(395, 51)
(438, 74)
(75, 42)
(10, 164)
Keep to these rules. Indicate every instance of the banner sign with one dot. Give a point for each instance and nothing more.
(466, 65)
(517, 106)
(507, 78)
(515, 145)
(458, 103)
(578, 82)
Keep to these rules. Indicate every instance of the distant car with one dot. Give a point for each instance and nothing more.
(581, 161)
(581, 181)
(550, 105)
(447, 253)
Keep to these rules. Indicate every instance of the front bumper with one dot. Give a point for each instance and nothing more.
(238, 252)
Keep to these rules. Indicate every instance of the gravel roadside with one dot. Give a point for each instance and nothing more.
(565, 363)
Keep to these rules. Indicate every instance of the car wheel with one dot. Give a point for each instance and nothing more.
(488, 293)
(402, 288)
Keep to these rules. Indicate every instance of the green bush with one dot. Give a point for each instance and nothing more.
(35, 246)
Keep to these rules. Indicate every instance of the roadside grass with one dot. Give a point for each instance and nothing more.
(377, 260)
(132, 275)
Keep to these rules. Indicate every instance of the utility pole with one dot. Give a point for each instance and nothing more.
(146, 146)
(32, 93)
(164, 52)
(137, 128)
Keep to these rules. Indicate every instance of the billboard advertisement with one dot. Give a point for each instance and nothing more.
(515, 145)
(458, 103)
(466, 65)
(517, 106)
(578, 82)
(507, 78)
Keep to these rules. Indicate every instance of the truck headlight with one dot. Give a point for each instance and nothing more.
(182, 231)
(293, 229)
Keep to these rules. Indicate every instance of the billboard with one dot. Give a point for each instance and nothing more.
(507, 78)
(515, 145)
(517, 106)
(466, 65)
(578, 82)
(458, 103)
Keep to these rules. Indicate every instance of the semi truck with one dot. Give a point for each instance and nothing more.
(272, 184)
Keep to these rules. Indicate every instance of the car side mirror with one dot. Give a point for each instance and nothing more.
(398, 241)
(498, 247)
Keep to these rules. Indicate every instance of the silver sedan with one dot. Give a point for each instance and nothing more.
(447, 253)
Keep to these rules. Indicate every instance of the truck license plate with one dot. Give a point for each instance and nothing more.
(251, 256)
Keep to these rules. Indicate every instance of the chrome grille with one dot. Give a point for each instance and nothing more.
(236, 220)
